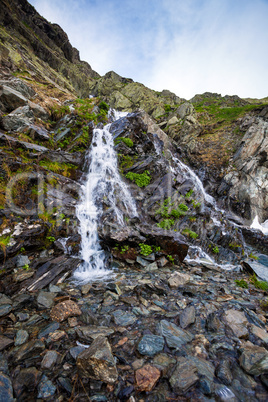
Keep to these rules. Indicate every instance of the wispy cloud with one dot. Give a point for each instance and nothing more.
(187, 47)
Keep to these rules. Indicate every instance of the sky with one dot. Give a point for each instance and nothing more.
(186, 46)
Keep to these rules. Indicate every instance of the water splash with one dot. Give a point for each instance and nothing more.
(263, 227)
(103, 185)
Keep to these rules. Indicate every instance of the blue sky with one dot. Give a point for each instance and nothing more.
(188, 47)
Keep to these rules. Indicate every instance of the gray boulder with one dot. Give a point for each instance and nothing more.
(10, 99)
(19, 119)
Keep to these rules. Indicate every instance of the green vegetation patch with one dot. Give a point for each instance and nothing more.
(190, 233)
(263, 285)
(241, 283)
(145, 249)
(127, 141)
(141, 179)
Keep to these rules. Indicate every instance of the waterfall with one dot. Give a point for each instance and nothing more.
(103, 184)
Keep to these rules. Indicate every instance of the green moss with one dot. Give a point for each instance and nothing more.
(166, 224)
(125, 161)
(127, 141)
(215, 250)
(104, 106)
(241, 283)
(190, 233)
(263, 285)
(141, 179)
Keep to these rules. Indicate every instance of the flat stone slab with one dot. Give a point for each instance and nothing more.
(5, 342)
(175, 336)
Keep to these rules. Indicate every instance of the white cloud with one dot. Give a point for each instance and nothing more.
(187, 47)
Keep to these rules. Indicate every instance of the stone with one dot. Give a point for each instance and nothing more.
(92, 332)
(184, 376)
(185, 109)
(20, 86)
(49, 360)
(4, 299)
(76, 350)
(174, 336)
(260, 333)
(146, 378)
(46, 389)
(38, 133)
(237, 321)
(254, 359)
(97, 362)
(10, 99)
(19, 119)
(123, 318)
(150, 345)
(187, 317)
(38, 110)
(5, 342)
(32, 349)
(6, 389)
(45, 299)
(173, 120)
(5, 309)
(54, 326)
(22, 336)
(26, 381)
(22, 260)
(178, 279)
(152, 267)
(224, 372)
(64, 310)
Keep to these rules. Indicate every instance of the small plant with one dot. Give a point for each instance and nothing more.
(103, 106)
(127, 141)
(156, 248)
(4, 240)
(215, 250)
(26, 267)
(190, 233)
(183, 207)
(196, 204)
(166, 224)
(51, 239)
(171, 259)
(251, 255)
(22, 250)
(124, 249)
(264, 304)
(145, 249)
(190, 192)
(167, 108)
(241, 283)
(263, 285)
(141, 179)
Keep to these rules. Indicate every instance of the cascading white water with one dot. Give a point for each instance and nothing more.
(103, 182)
(194, 178)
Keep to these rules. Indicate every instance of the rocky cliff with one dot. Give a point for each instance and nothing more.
(182, 315)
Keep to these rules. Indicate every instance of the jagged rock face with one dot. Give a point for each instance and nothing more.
(124, 94)
(247, 184)
(48, 42)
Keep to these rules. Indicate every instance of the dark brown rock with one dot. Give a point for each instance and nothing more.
(64, 310)
(146, 378)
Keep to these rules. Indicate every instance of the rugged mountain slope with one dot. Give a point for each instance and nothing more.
(34, 48)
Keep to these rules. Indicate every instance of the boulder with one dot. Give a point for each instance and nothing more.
(97, 362)
(19, 119)
(10, 99)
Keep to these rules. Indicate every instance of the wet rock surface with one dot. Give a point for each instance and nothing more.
(122, 339)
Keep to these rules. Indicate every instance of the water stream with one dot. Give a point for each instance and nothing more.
(103, 185)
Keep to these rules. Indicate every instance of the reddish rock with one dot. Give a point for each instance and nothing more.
(64, 310)
(147, 377)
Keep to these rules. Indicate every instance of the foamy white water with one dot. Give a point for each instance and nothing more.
(263, 227)
(103, 184)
